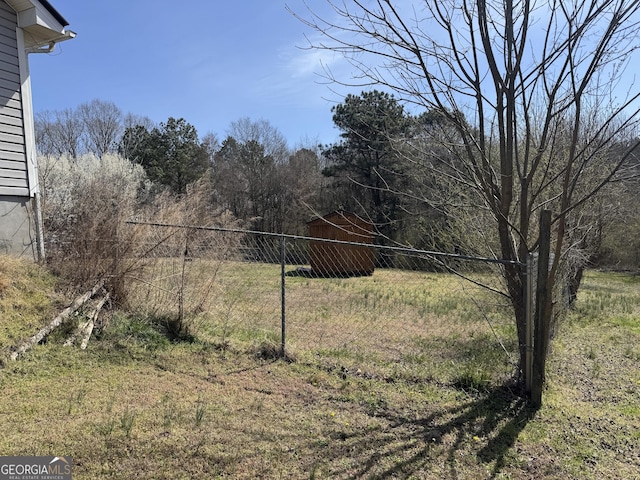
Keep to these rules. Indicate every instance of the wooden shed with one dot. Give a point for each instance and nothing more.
(335, 259)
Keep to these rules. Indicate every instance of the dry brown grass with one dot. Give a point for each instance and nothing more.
(27, 301)
(5, 274)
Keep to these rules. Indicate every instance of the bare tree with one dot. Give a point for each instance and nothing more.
(59, 133)
(102, 124)
(131, 120)
(535, 92)
(247, 173)
(620, 237)
(261, 131)
(211, 143)
(302, 190)
(43, 124)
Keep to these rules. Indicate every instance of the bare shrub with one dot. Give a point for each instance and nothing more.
(85, 203)
(182, 256)
(101, 223)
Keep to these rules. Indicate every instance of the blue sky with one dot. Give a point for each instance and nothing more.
(210, 62)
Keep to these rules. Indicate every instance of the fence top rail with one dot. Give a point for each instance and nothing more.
(409, 250)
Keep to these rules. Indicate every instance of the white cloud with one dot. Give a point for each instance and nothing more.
(310, 62)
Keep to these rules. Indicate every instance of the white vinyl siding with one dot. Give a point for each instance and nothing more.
(13, 162)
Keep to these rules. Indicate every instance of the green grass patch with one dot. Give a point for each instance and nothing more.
(388, 378)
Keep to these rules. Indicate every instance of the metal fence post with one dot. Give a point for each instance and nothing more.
(283, 318)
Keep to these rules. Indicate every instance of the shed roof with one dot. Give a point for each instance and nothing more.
(348, 223)
(339, 214)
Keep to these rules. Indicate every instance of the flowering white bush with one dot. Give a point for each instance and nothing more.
(67, 185)
(85, 203)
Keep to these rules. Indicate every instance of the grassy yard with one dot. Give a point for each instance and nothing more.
(397, 375)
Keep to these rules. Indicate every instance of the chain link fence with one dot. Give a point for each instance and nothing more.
(381, 311)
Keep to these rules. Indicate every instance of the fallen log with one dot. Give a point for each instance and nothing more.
(37, 338)
(92, 321)
(75, 334)
(88, 324)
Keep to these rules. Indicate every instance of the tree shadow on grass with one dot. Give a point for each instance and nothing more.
(413, 446)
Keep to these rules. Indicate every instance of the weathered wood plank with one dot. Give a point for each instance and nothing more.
(37, 338)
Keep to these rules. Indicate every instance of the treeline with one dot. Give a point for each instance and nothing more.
(398, 170)
(252, 174)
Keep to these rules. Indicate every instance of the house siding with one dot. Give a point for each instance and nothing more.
(13, 161)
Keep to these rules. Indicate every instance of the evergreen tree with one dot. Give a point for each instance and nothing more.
(171, 154)
(365, 163)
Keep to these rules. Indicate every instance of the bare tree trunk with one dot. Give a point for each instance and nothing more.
(574, 284)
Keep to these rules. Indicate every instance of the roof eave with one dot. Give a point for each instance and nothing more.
(42, 23)
(54, 13)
